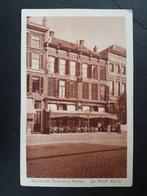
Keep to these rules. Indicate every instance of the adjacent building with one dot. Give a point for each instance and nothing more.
(70, 87)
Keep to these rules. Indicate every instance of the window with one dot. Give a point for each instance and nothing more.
(85, 66)
(52, 107)
(72, 68)
(123, 70)
(28, 83)
(37, 104)
(86, 108)
(94, 72)
(111, 67)
(94, 91)
(117, 88)
(111, 87)
(51, 64)
(101, 109)
(123, 88)
(71, 108)
(71, 89)
(35, 61)
(102, 73)
(62, 66)
(62, 107)
(117, 68)
(62, 89)
(35, 84)
(35, 42)
(53, 87)
(102, 92)
(85, 90)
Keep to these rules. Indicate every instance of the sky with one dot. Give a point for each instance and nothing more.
(99, 31)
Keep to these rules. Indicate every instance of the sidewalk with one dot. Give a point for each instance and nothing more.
(91, 138)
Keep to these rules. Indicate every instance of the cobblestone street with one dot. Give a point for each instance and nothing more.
(77, 161)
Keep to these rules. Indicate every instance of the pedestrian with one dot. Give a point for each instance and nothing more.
(109, 128)
(99, 126)
(118, 128)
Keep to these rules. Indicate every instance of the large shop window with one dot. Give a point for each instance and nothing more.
(35, 61)
(52, 107)
(85, 90)
(72, 68)
(102, 92)
(111, 87)
(62, 89)
(35, 41)
(84, 70)
(62, 63)
(102, 73)
(53, 87)
(71, 108)
(94, 91)
(51, 64)
(86, 108)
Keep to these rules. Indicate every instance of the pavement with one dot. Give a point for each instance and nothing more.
(91, 138)
(77, 155)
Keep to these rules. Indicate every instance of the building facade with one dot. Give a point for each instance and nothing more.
(69, 87)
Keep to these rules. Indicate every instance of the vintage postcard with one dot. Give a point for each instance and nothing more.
(76, 98)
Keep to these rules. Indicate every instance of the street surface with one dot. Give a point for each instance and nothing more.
(88, 155)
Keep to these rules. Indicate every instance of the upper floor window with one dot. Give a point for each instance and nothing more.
(51, 64)
(123, 70)
(85, 90)
(102, 73)
(35, 41)
(62, 63)
(94, 91)
(53, 87)
(84, 70)
(94, 72)
(111, 87)
(71, 89)
(62, 89)
(111, 67)
(35, 61)
(28, 39)
(72, 68)
(102, 92)
(123, 87)
(35, 84)
(117, 68)
(117, 88)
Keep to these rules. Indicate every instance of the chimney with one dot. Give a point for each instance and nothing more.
(44, 21)
(52, 33)
(81, 42)
(95, 49)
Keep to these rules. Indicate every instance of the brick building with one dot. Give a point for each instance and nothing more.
(68, 84)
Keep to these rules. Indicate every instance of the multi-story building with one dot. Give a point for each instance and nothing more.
(67, 83)
(116, 57)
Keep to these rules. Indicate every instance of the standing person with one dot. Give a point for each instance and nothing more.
(109, 128)
(99, 126)
(118, 128)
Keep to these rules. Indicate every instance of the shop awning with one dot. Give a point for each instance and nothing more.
(76, 114)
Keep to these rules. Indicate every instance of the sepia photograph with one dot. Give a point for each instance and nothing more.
(76, 98)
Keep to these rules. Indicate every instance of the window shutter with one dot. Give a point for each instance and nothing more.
(42, 85)
(67, 89)
(56, 87)
(41, 61)
(28, 83)
(67, 67)
(56, 68)
(78, 68)
(30, 59)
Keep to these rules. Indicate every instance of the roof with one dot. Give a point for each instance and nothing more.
(115, 49)
(74, 47)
